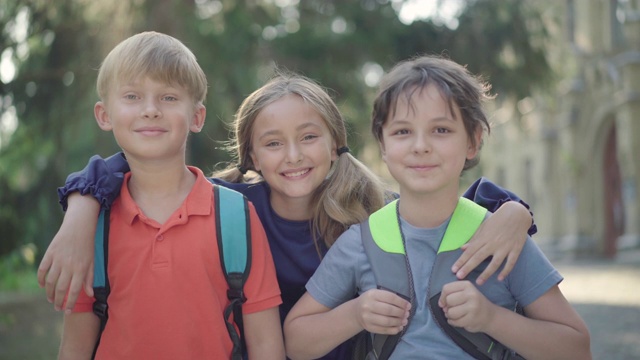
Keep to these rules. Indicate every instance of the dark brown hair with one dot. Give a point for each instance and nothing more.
(456, 84)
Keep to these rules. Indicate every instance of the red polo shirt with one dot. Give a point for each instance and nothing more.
(168, 292)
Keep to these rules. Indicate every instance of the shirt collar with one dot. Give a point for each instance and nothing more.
(198, 202)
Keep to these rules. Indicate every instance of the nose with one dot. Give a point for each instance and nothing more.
(294, 154)
(421, 143)
(151, 110)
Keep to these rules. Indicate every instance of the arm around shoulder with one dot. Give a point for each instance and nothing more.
(101, 178)
(68, 261)
(501, 236)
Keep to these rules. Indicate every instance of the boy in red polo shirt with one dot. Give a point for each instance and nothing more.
(168, 292)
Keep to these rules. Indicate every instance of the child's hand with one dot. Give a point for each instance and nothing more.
(465, 306)
(382, 312)
(502, 236)
(67, 264)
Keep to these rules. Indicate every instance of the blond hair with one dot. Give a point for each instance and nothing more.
(160, 57)
(348, 195)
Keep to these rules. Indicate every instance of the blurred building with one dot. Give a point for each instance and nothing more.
(574, 154)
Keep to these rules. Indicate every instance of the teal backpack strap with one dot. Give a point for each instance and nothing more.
(101, 287)
(233, 229)
(465, 221)
(233, 226)
(390, 267)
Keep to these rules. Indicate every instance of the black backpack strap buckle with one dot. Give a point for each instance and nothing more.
(100, 309)
(235, 295)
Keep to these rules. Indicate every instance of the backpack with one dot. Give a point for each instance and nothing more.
(233, 229)
(384, 244)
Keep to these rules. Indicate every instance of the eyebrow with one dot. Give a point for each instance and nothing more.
(396, 120)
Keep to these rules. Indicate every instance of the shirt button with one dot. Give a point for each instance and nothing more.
(159, 237)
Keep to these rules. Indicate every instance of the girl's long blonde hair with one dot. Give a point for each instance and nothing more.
(347, 196)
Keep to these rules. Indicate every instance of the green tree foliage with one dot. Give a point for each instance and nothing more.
(342, 44)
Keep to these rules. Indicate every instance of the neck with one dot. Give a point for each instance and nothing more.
(293, 209)
(428, 210)
(160, 189)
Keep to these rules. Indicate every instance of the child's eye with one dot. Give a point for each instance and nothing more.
(130, 97)
(401, 132)
(170, 98)
(309, 137)
(272, 143)
(441, 130)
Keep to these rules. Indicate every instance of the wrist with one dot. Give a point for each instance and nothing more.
(492, 325)
(82, 204)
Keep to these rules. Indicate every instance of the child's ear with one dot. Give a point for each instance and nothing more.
(383, 152)
(473, 150)
(254, 160)
(102, 117)
(334, 151)
(198, 118)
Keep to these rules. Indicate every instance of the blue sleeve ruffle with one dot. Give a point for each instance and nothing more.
(101, 178)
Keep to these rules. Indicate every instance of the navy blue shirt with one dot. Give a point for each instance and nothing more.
(295, 254)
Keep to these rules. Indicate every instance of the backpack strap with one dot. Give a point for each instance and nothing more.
(384, 245)
(233, 229)
(466, 219)
(101, 287)
(387, 248)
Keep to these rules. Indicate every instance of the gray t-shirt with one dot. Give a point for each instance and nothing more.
(345, 271)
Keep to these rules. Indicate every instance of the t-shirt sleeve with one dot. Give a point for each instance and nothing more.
(532, 276)
(337, 278)
(84, 303)
(102, 178)
(261, 290)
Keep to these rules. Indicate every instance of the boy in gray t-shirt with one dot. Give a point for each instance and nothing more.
(428, 120)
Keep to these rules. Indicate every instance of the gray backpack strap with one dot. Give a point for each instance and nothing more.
(479, 345)
(393, 278)
(389, 269)
(392, 272)
(464, 222)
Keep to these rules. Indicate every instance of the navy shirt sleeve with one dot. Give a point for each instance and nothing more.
(102, 178)
(491, 196)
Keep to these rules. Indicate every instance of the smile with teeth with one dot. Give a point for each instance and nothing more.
(297, 173)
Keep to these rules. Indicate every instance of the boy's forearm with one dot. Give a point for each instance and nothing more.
(538, 339)
(312, 336)
(263, 335)
(79, 336)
